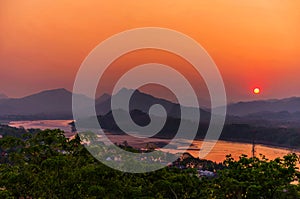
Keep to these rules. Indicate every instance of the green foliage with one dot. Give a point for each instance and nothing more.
(6, 130)
(48, 165)
(257, 178)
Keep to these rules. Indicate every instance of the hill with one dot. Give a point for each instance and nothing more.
(57, 104)
(290, 105)
(142, 101)
(49, 104)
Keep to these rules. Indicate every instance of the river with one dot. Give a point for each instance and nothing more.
(218, 153)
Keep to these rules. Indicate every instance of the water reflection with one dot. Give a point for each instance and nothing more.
(221, 149)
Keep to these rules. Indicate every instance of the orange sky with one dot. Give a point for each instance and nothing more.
(254, 43)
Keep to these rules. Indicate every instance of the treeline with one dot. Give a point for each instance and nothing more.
(240, 132)
(276, 136)
(6, 130)
(46, 164)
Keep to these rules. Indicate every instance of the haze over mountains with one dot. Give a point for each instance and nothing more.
(49, 104)
(275, 112)
(290, 105)
(142, 101)
(269, 121)
(57, 104)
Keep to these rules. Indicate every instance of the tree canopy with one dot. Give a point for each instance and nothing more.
(46, 164)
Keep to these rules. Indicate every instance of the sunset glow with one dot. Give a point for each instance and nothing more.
(48, 40)
(169, 98)
(256, 90)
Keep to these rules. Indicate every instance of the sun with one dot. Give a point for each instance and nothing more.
(256, 90)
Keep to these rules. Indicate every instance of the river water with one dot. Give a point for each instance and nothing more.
(218, 153)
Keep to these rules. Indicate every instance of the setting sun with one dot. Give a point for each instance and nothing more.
(256, 90)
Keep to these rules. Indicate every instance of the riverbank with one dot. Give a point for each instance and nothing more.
(220, 150)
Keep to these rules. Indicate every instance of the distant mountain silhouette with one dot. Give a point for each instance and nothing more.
(237, 132)
(3, 96)
(103, 98)
(143, 102)
(282, 115)
(269, 121)
(290, 105)
(54, 104)
(57, 104)
(169, 128)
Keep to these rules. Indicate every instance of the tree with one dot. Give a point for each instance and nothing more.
(257, 177)
(45, 164)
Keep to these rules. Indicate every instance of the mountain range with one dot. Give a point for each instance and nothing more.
(268, 121)
(57, 104)
(49, 104)
(142, 101)
(290, 105)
